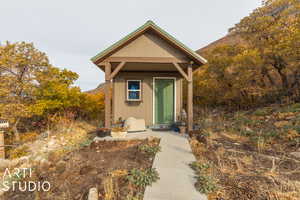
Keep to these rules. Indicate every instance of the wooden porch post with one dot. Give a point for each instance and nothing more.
(107, 95)
(190, 98)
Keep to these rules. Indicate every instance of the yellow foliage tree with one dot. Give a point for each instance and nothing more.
(19, 65)
(266, 65)
(31, 88)
(274, 31)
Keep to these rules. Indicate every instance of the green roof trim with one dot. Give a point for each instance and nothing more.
(148, 24)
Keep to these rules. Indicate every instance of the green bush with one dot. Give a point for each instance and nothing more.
(86, 143)
(151, 150)
(18, 152)
(198, 167)
(291, 108)
(247, 133)
(143, 178)
(131, 197)
(205, 184)
(261, 112)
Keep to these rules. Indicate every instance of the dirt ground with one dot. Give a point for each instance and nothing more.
(102, 164)
(243, 173)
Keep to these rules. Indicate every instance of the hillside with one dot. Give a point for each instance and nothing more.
(229, 39)
(97, 90)
(253, 155)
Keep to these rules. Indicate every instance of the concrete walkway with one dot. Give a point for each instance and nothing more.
(176, 177)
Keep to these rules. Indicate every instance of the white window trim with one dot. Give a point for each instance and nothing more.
(128, 90)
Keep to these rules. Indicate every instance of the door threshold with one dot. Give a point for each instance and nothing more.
(161, 127)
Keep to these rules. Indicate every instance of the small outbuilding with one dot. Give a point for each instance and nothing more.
(144, 75)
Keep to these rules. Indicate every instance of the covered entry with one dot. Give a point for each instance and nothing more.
(144, 72)
(164, 100)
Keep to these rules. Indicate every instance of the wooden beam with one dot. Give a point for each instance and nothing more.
(107, 95)
(143, 60)
(174, 73)
(190, 98)
(115, 72)
(181, 71)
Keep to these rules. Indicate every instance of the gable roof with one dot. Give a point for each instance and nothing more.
(147, 26)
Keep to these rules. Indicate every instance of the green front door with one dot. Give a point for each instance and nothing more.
(164, 92)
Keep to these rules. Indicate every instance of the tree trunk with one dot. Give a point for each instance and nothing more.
(296, 79)
(266, 73)
(16, 131)
(272, 82)
(284, 80)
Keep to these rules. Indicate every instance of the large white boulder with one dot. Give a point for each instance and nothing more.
(135, 125)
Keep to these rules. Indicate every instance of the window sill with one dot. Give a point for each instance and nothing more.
(132, 100)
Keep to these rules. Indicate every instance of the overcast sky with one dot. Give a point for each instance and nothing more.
(71, 32)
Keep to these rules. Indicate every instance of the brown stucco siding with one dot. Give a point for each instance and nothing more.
(143, 109)
(150, 45)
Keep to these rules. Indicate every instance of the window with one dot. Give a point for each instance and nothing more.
(133, 90)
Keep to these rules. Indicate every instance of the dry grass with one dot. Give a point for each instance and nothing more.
(250, 154)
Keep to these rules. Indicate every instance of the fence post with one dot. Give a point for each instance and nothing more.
(93, 194)
(2, 148)
(4, 124)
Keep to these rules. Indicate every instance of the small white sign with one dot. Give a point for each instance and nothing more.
(4, 124)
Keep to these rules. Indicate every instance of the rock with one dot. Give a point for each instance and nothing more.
(1, 194)
(208, 120)
(292, 134)
(290, 117)
(53, 157)
(248, 129)
(44, 164)
(93, 194)
(4, 163)
(44, 135)
(76, 158)
(84, 170)
(38, 159)
(281, 124)
(201, 139)
(13, 163)
(24, 159)
(25, 165)
(61, 167)
(296, 154)
(52, 144)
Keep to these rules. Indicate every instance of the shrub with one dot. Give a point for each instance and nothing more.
(18, 152)
(143, 178)
(29, 137)
(149, 149)
(205, 184)
(292, 108)
(261, 112)
(246, 133)
(131, 197)
(197, 166)
(86, 143)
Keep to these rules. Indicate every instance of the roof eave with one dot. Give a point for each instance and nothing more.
(147, 25)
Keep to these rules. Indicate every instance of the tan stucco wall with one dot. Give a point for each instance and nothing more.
(143, 109)
(149, 45)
